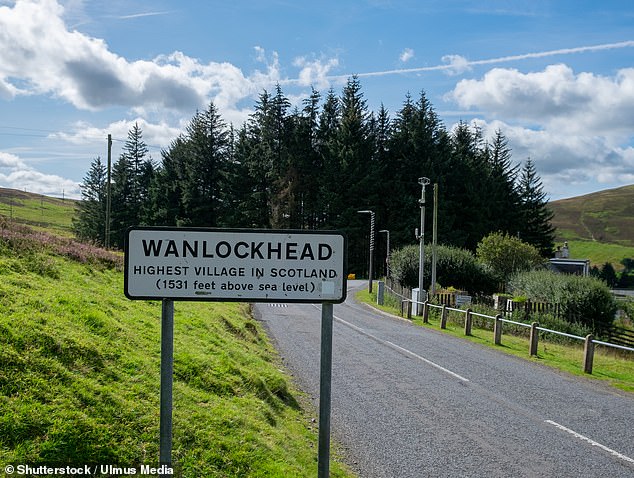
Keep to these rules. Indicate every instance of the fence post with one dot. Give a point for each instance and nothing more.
(497, 330)
(426, 312)
(443, 317)
(409, 309)
(380, 293)
(588, 354)
(534, 338)
(467, 322)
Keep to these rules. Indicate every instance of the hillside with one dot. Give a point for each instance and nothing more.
(38, 211)
(605, 216)
(80, 373)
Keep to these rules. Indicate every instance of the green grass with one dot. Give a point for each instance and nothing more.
(600, 253)
(40, 212)
(80, 376)
(613, 367)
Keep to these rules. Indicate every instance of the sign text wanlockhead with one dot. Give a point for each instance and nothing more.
(243, 265)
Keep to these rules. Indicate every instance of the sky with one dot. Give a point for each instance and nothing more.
(556, 77)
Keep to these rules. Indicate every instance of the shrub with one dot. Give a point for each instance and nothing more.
(585, 300)
(506, 255)
(454, 267)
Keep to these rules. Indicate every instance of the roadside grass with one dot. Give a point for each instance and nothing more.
(614, 367)
(80, 376)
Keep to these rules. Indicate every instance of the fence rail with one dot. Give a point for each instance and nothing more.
(498, 320)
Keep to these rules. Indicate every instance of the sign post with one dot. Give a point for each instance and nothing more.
(167, 376)
(325, 376)
(237, 265)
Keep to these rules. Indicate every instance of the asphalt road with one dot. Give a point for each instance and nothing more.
(413, 402)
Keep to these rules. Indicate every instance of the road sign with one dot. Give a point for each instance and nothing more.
(243, 265)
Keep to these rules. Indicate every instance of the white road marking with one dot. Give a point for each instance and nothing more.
(592, 442)
(401, 349)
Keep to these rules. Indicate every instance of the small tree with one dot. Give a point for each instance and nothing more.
(90, 221)
(505, 255)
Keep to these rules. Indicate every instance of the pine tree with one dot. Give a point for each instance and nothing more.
(328, 161)
(123, 208)
(205, 170)
(167, 185)
(502, 197)
(89, 223)
(536, 227)
(357, 178)
(136, 152)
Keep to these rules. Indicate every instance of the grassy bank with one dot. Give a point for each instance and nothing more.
(614, 367)
(80, 374)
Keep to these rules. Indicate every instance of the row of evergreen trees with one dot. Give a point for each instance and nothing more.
(315, 167)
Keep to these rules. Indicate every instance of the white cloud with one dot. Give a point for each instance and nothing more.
(315, 72)
(566, 159)
(16, 174)
(84, 72)
(555, 98)
(456, 64)
(406, 55)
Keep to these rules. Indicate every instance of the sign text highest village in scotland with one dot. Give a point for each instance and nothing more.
(245, 265)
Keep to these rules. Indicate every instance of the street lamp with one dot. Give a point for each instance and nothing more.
(387, 254)
(371, 213)
(421, 238)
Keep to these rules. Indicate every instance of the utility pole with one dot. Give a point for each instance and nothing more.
(387, 254)
(371, 272)
(421, 238)
(434, 241)
(108, 193)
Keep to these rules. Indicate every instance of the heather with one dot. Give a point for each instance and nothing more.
(24, 242)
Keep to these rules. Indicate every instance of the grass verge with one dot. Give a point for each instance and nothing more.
(80, 375)
(613, 367)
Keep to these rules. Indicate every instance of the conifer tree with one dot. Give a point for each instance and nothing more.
(502, 197)
(535, 227)
(89, 222)
(205, 169)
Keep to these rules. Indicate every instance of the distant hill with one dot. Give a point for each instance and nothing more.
(605, 216)
(38, 211)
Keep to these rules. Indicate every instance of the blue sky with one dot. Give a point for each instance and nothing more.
(557, 77)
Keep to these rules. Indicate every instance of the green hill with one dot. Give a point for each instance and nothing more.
(604, 216)
(80, 373)
(38, 211)
(598, 226)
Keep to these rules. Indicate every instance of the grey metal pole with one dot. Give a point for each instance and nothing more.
(323, 466)
(421, 238)
(167, 374)
(387, 254)
(371, 252)
(434, 241)
(371, 271)
(108, 194)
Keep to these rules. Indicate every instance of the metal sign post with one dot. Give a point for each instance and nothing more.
(325, 380)
(167, 376)
(237, 265)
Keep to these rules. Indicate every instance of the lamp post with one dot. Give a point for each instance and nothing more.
(387, 253)
(371, 272)
(421, 238)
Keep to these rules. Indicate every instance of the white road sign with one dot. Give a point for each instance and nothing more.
(243, 265)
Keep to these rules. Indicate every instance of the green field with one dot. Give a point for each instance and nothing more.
(600, 253)
(40, 212)
(80, 373)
